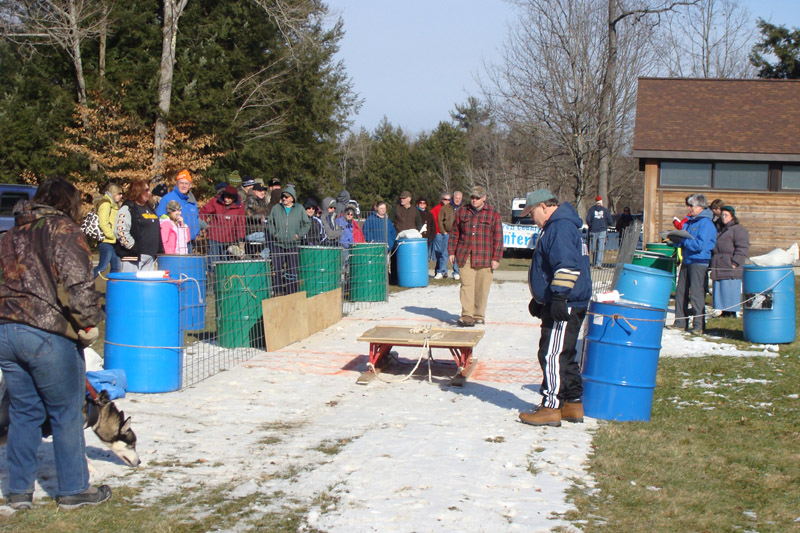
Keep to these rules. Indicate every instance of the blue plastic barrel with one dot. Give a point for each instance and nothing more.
(412, 262)
(192, 288)
(143, 335)
(769, 308)
(621, 358)
(644, 285)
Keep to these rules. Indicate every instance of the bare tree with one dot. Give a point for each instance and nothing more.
(173, 9)
(292, 19)
(547, 85)
(709, 40)
(62, 23)
(618, 12)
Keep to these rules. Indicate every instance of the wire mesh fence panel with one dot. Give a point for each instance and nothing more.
(225, 280)
(629, 242)
(366, 275)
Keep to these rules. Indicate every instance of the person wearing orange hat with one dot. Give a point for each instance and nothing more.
(182, 193)
(598, 218)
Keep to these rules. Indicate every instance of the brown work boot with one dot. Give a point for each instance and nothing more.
(542, 416)
(572, 411)
(466, 321)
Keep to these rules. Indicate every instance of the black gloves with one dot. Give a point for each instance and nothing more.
(558, 307)
(535, 308)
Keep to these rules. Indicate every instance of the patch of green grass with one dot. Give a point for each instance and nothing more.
(188, 510)
(281, 425)
(721, 452)
(333, 446)
(514, 263)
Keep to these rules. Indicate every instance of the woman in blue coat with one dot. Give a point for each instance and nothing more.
(696, 250)
(378, 227)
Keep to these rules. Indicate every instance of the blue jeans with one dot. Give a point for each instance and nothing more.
(597, 245)
(108, 256)
(440, 252)
(45, 375)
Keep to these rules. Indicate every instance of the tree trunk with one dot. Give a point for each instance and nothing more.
(172, 13)
(606, 98)
(103, 41)
(75, 43)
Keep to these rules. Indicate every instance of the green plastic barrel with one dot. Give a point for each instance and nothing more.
(320, 269)
(658, 261)
(240, 288)
(368, 272)
(661, 248)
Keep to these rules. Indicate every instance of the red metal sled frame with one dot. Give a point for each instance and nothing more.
(461, 354)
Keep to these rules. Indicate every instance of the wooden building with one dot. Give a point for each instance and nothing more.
(737, 140)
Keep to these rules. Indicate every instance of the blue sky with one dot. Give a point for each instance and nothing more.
(413, 60)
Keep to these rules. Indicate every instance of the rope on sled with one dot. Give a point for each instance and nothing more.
(424, 352)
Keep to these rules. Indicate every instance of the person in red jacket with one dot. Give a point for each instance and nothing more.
(226, 222)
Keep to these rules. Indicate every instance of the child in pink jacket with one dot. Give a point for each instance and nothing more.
(174, 232)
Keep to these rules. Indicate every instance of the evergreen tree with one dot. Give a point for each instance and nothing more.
(782, 43)
(227, 52)
(389, 170)
(37, 101)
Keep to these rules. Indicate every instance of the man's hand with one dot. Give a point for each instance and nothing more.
(535, 308)
(88, 336)
(558, 307)
(495, 265)
(453, 259)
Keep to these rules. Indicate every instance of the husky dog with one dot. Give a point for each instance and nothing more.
(100, 414)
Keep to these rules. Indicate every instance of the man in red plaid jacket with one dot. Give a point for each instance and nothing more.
(476, 244)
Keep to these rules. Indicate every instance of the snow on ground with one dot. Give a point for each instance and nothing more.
(411, 456)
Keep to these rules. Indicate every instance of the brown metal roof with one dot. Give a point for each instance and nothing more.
(717, 116)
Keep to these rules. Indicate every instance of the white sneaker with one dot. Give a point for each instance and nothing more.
(716, 313)
(456, 276)
(438, 276)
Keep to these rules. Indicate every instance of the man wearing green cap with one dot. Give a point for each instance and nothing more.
(561, 285)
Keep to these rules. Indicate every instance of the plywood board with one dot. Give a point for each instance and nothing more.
(323, 310)
(285, 320)
(408, 336)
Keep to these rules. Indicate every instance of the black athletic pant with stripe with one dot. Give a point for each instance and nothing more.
(557, 350)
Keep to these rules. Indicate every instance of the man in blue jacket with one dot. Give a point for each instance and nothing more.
(696, 251)
(561, 285)
(182, 193)
(598, 219)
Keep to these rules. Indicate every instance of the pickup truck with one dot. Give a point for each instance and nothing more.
(10, 194)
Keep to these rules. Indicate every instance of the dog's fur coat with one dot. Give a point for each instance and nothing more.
(100, 414)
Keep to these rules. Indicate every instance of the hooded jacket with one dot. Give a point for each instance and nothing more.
(598, 218)
(288, 227)
(225, 222)
(107, 210)
(189, 210)
(702, 238)
(46, 278)
(342, 201)
(560, 261)
(332, 229)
